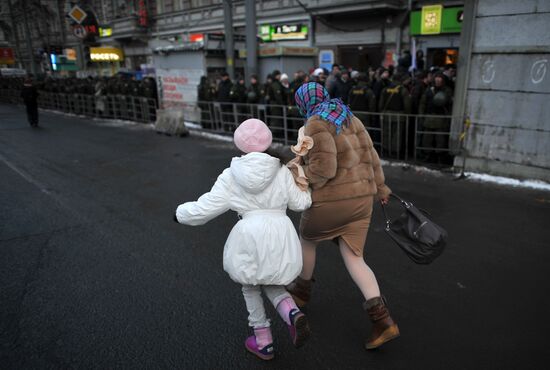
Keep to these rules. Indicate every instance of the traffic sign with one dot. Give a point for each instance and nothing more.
(79, 31)
(77, 14)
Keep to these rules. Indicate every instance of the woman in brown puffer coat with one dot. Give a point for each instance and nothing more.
(345, 174)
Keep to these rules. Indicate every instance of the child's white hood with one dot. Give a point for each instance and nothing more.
(255, 171)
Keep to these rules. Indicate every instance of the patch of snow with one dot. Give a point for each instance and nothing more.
(416, 168)
(500, 180)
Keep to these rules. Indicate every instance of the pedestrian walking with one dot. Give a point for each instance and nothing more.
(345, 174)
(263, 250)
(29, 94)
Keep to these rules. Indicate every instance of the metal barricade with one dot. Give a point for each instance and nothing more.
(398, 136)
(419, 138)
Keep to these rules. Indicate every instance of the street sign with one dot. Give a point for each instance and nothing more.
(77, 14)
(79, 31)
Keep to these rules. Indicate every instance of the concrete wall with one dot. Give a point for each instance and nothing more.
(508, 91)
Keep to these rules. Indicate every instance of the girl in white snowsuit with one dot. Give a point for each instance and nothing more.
(263, 249)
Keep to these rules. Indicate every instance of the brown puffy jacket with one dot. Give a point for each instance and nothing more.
(342, 166)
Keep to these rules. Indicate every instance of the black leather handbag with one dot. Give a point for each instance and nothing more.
(421, 239)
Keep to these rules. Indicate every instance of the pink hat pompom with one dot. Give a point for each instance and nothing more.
(252, 136)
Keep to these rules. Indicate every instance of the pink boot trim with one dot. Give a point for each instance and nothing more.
(265, 353)
(285, 307)
(263, 336)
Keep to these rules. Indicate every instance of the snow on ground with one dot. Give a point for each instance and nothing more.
(507, 181)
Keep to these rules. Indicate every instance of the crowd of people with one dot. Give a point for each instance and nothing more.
(119, 84)
(394, 91)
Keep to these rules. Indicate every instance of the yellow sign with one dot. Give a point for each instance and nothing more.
(431, 20)
(105, 32)
(70, 53)
(77, 14)
(106, 54)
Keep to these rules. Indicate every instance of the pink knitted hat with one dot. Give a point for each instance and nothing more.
(252, 136)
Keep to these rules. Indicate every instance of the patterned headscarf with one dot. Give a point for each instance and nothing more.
(313, 99)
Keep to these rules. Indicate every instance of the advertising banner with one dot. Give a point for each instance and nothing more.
(178, 87)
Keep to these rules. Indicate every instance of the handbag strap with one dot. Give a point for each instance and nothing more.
(404, 203)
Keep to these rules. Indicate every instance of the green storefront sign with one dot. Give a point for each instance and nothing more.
(279, 32)
(434, 20)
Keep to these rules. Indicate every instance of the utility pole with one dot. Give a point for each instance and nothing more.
(28, 38)
(15, 35)
(251, 39)
(229, 49)
(61, 20)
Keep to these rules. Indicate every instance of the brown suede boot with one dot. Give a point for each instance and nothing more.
(300, 290)
(384, 328)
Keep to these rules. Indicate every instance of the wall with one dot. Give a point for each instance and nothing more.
(286, 64)
(508, 90)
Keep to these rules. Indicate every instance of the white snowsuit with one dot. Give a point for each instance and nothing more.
(263, 248)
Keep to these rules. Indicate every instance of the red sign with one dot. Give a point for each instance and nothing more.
(196, 37)
(142, 13)
(6, 56)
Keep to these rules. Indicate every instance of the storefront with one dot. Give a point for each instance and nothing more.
(285, 47)
(286, 59)
(436, 31)
(181, 60)
(366, 38)
(107, 59)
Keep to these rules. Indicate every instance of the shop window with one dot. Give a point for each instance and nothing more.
(441, 57)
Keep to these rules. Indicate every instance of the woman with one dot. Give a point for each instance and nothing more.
(345, 175)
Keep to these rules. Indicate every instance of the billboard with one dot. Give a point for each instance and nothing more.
(178, 87)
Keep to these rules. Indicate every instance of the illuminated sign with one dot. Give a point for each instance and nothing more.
(450, 21)
(283, 32)
(105, 31)
(196, 37)
(6, 56)
(431, 20)
(106, 54)
(142, 13)
(70, 54)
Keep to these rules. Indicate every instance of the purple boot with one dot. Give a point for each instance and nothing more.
(262, 336)
(298, 328)
(295, 320)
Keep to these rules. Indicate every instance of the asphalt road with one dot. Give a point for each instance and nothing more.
(95, 274)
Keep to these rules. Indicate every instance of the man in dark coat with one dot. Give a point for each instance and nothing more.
(255, 92)
(254, 95)
(205, 95)
(341, 87)
(395, 102)
(224, 97)
(29, 94)
(361, 99)
(436, 101)
(275, 93)
(382, 81)
(224, 88)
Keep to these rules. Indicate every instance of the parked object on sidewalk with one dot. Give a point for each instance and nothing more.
(421, 239)
(171, 122)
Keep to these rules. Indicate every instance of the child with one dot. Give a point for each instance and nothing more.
(263, 249)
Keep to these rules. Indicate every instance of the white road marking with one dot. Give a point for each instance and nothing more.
(24, 175)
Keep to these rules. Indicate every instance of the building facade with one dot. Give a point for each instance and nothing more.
(505, 88)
